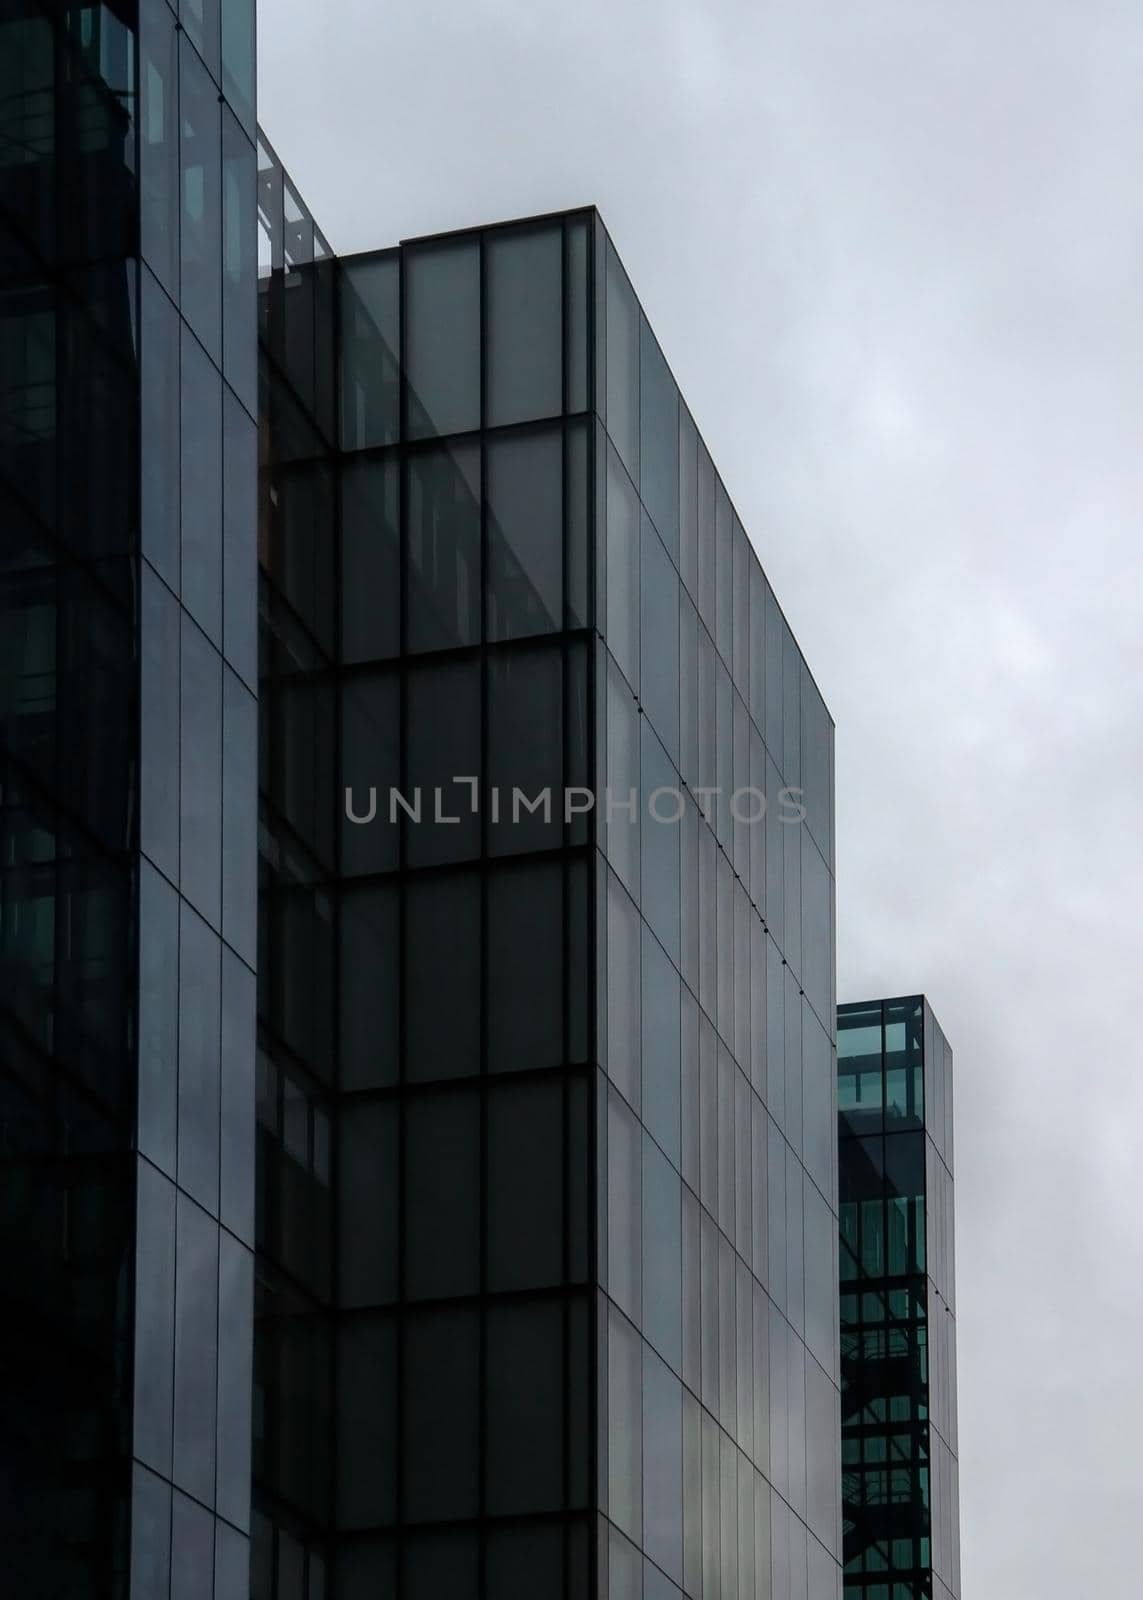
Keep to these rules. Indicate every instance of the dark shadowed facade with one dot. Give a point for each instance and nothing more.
(900, 1496)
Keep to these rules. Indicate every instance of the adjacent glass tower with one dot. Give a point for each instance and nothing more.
(898, 1303)
(127, 794)
(547, 1119)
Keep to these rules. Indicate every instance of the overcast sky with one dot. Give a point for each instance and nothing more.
(894, 253)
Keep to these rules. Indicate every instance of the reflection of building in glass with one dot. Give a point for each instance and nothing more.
(900, 1501)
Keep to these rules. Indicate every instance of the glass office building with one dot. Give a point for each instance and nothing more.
(900, 1498)
(418, 1171)
(128, 794)
(547, 1221)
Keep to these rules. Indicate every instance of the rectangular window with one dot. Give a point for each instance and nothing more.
(525, 749)
(239, 263)
(523, 291)
(441, 1172)
(442, 338)
(369, 346)
(622, 570)
(442, 964)
(663, 1467)
(238, 51)
(442, 548)
(159, 732)
(524, 1134)
(196, 1350)
(201, 772)
(624, 1205)
(624, 1426)
(200, 1042)
(442, 743)
(159, 430)
(525, 534)
(441, 1395)
(622, 365)
(159, 143)
(201, 552)
(200, 162)
(525, 967)
(659, 440)
(523, 1446)
(370, 559)
(662, 1255)
(659, 674)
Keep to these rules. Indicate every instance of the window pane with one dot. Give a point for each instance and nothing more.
(159, 430)
(525, 1561)
(662, 1254)
(192, 1549)
(200, 1036)
(661, 837)
(367, 1211)
(154, 1318)
(525, 1189)
(526, 749)
(624, 1207)
(440, 1416)
(159, 143)
(622, 365)
(441, 1148)
(235, 1362)
(201, 20)
(442, 532)
(370, 338)
(441, 1563)
(442, 338)
(442, 735)
(659, 436)
(201, 168)
(622, 570)
(525, 534)
(525, 968)
(159, 734)
(369, 930)
(525, 325)
(158, 1017)
(201, 555)
(370, 560)
(238, 58)
(623, 990)
(659, 677)
(196, 1349)
(442, 977)
(576, 259)
(621, 794)
(624, 1426)
(661, 1093)
(662, 1466)
(236, 1174)
(366, 1424)
(201, 772)
(523, 1457)
(370, 750)
(239, 263)
(240, 535)
(240, 817)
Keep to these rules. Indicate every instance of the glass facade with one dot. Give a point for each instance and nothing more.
(128, 725)
(898, 1303)
(547, 1217)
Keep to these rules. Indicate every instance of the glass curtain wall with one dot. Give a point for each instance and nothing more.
(900, 1499)
(716, 1332)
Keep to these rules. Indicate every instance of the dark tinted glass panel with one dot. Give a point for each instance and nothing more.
(231, 1564)
(662, 1255)
(192, 1549)
(624, 1207)
(525, 534)
(442, 744)
(578, 526)
(236, 1159)
(659, 679)
(523, 1460)
(235, 1358)
(442, 1194)
(688, 501)
(150, 1535)
(154, 1353)
(239, 817)
(622, 569)
(201, 772)
(526, 749)
(369, 978)
(366, 1430)
(442, 338)
(525, 1189)
(240, 534)
(370, 337)
(622, 365)
(158, 1017)
(659, 440)
(370, 560)
(239, 262)
(523, 280)
(159, 425)
(525, 968)
(441, 1406)
(201, 178)
(159, 733)
(370, 752)
(442, 533)
(663, 1467)
(575, 283)
(661, 829)
(367, 1212)
(442, 977)
(200, 18)
(196, 1350)
(525, 1561)
(661, 1091)
(442, 1563)
(159, 142)
(624, 1427)
(200, 1036)
(202, 488)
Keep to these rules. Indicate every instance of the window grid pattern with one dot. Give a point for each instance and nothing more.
(898, 1339)
(718, 1380)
